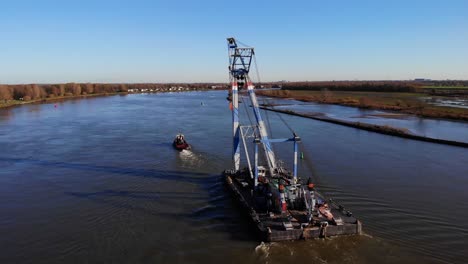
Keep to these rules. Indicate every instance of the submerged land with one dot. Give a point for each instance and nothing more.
(382, 129)
(417, 98)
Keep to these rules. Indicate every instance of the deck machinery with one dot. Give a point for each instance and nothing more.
(276, 200)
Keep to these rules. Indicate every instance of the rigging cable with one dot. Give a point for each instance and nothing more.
(246, 110)
(264, 100)
(267, 117)
(307, 160)
(257, 70)
(243, 44)
(286, 123)
(269, 124)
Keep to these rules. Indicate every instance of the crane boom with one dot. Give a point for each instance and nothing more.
(240, 60)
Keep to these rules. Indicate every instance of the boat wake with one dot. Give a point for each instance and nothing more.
(263, 250)
(191, 159)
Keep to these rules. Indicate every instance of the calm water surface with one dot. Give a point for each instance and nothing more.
(97, 181)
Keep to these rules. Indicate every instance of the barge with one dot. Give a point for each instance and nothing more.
(292, 224)
(279, 203)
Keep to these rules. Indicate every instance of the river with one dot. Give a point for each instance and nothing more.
(97, 181)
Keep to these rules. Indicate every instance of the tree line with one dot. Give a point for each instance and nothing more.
(445, 83)
(374, 86)
(28, 92)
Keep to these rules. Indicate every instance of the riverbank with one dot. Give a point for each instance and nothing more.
(382, 129)
(409, 103)
(18, 94)
(12, 103)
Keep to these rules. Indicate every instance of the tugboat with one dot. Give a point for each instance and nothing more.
(180, 143)
(278, 202)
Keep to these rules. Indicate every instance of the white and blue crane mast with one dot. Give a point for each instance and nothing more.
(240, 61)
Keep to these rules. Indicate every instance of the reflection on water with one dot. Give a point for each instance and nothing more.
(98, 181)
(5, 114)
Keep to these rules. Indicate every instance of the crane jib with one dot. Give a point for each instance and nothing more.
(240, 60)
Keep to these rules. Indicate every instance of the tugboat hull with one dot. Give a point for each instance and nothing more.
(181, 146)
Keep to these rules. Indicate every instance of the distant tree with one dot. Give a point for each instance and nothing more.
(18, 92)
(29, 92)
(123, 88)
(77, 89)
(55, 90)
(62, 89)
(6, 93)
(89, 88)
(36, 91)
(69, 88)
(98, 88)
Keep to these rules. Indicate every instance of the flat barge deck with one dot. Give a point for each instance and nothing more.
(293, 224)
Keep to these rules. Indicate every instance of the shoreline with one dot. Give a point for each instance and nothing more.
(387, 130)
(16, 103)
(55, 99)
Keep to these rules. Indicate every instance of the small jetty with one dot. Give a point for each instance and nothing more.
(280, 204)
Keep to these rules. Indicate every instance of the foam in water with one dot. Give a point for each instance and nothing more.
(263, 250)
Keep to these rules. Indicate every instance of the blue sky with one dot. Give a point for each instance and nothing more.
(185, 41)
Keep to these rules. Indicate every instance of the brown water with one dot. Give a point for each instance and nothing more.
(97, 181)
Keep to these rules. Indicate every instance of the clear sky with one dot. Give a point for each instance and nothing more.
(185, 41)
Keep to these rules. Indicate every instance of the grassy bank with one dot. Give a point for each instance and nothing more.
(11, 103)
(18, 96)
(409, 103)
